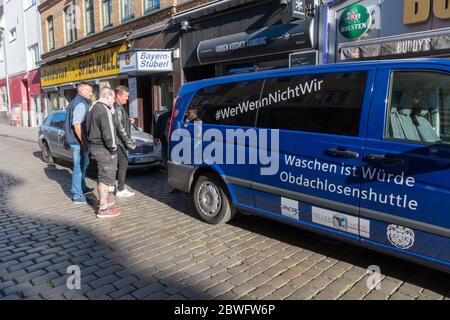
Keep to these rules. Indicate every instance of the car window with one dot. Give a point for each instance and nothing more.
(58, 120)
(324, 103)
(49, 119)
(419, 108)
(226, 104)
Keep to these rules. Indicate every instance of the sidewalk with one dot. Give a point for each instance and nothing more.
(21, 133)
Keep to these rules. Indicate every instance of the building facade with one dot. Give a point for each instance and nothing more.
(20, 101)
(388, 29)
(84, 40)
(235, 36)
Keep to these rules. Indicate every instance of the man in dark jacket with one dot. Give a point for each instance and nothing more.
(101, 135)
(74, 127)
(124, 141)
(161, 134)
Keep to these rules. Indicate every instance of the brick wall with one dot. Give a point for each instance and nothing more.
(55, 8)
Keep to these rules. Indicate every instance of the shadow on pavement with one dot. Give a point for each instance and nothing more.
(36, 252)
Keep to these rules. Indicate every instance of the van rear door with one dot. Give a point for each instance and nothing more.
(322, 119)
(406, 171)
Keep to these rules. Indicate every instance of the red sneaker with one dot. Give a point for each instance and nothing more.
(108, 213)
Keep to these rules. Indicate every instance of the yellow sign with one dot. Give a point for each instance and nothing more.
(94, 65)
(418, 11)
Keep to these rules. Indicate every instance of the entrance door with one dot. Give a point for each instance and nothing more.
(406, 172)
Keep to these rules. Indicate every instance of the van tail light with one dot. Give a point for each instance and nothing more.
(174, 114)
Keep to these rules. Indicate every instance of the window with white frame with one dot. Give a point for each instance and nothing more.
(127, 9)
(69, 21)
(51, 33)
(151, 5)
(33, 53)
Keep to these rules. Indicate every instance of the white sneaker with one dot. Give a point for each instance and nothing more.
(111, 189)
(124, 194)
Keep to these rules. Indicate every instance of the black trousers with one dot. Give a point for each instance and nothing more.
(164, 152)
(122, 165)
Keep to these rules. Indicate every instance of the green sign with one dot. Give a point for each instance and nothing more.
(355, 21)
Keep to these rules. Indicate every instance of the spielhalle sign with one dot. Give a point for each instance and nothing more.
(91, 66)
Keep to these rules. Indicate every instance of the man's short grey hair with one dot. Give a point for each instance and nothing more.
(83, 84)
(107, 92)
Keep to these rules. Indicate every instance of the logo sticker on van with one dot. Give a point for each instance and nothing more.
(400, 237)
(341, 221)
(289, 208)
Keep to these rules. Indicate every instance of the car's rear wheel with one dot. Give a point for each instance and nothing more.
(212, 201)
(46, 154)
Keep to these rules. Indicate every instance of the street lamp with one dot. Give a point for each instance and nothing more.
(2, 30)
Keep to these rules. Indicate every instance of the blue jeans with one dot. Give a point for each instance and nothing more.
(80, 163)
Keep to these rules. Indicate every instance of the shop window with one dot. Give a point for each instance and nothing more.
(166, 93)
(89, 8)
(323, 103)
(151, 5)
(51, 33)
(127, 9)
(4, 97)
(228, 104)
(419, 109)
(107, 13)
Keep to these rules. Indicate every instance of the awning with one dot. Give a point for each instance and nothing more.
(208, 9)
(271, 40)
(421, 42)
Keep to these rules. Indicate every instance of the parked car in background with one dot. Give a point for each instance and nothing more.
(51, 142)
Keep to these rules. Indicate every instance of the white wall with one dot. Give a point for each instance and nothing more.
(15, 50)
(32, 27)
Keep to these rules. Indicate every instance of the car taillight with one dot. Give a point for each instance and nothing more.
(174, 114)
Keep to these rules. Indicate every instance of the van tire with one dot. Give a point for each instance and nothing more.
(46, 154)
(212, 201)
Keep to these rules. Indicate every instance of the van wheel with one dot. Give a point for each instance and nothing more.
(211, 200)
(46, 155)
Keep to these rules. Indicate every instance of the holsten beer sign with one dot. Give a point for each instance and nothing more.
(355, 21)
(146, 61)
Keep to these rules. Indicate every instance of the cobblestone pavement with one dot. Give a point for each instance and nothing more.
(158, 249)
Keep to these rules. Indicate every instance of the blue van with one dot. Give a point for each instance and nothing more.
(357, 151)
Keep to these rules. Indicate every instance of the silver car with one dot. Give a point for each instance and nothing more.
(51, 142)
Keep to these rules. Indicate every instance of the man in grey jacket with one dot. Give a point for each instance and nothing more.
(101, 135)
(124, 141)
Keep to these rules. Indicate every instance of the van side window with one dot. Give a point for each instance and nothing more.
(324, 103)
(232, 104)
(419, 110)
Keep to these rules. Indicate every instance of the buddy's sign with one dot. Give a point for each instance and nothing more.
(95, 65)
(418, 11)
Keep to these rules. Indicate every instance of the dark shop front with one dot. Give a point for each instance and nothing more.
(230, 37)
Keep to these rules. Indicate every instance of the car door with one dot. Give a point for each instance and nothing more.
(52, 135)
(406, 169)
(219, 115)
(321, 118)
(59, 133)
